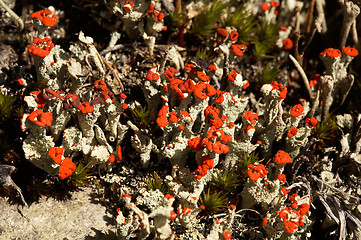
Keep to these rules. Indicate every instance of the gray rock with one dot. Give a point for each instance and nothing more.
(80, 217)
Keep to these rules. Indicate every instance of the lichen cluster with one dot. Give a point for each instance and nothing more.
(228, 127)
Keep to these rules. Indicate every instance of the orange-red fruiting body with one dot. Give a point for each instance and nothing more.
(66, 169)
(293, 131)
(128, 5)
(311, 122)
(282, 157)
(232, 76)
(169, 73)
(152, 74)
(173, 215)
(162, 116)
(120, 156)
(282, 89)
(287, 44)
(205, 164)
(285, 191)
(212, 68)
(281, 178)
(265, 221)
(45, 17)
(85, 107)
(111, 158)
(274, 3)
(227, 235)
(331, 52)
(238, 49)
(265, 7)
(296, 110)
(56, 153)
(20, 81)
(222, 32)
(168, 196)
(350, 51)
(123, 96)
(314, 80)
(233, 36)
(251, 117)
(256, 172)
(40, 118)
(41, 47)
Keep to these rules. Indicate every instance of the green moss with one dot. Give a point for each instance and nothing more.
(155, 183)
(245, 160)
(205, 23)
(268, 74)
(80, 175)
(326, 132)
(244, 23)
(6, 105)
(213, 202)
(226, 181)
(141, 116)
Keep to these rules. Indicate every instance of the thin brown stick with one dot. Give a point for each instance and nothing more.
(310, 17)
(115, 73)
(297, 54)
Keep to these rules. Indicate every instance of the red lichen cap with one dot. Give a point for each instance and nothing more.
(168, 196)
(40, 118)
(202, 76)
(128, 5)
(20, 81)
(285, 191)
(282, 89)
(256, 172)
(227, 235)
(66, 169)
(282, 157)
(205, 164)
(45, 16)
(173, 215)
(331, 52)
(85, 107)
(296, 110)
(233, 36)
(287, 44)
(265, 221)
(281, 178)
(232, 76)
(314, 80)
(111, 158)
(212, 68)
(265, 7)
(293, 131)
(153, 74)
(350, 51)
(274, 3)
(169, 73)
(120, 155)
(311, 122)
(162, 116)
(238, 49)
(283, 28)
(56, 153)
(251, 117)
(123, 96)
(222, 31)
(41, 47)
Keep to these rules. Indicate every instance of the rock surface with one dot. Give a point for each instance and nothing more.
(80, 217)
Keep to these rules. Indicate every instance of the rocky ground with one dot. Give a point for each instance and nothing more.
(79, 216)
